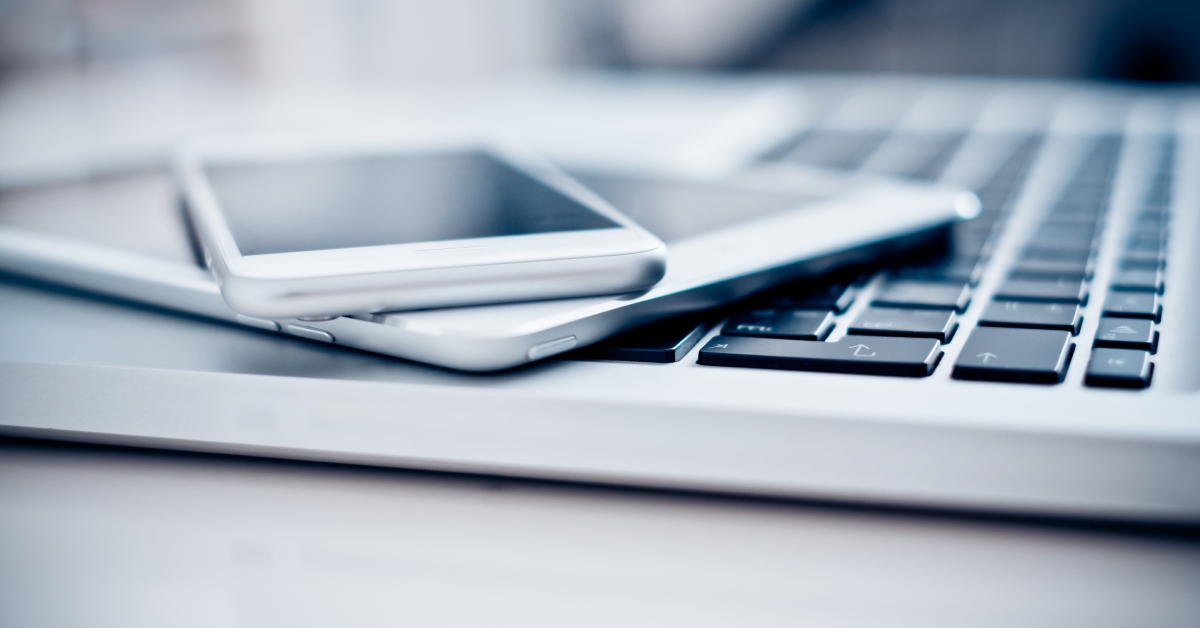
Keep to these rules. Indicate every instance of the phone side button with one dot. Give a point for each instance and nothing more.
(312, 333)
(257, 323)
(546, 349)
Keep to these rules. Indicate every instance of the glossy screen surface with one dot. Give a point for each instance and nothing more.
(137, 211)
(356, 202)
(678, 209)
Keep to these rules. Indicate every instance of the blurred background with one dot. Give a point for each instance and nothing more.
(120, 81)
(332, 41)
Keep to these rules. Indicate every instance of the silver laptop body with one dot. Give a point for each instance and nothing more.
(1067, 439)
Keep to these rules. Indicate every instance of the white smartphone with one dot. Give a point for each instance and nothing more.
(731, 236)
(319, 226)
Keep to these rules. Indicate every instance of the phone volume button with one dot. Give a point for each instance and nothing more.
(259, 323)
(552, 347)
(312, 333)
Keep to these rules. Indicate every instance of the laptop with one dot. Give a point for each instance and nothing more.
(1041, 366)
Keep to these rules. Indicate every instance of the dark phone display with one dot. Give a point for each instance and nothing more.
(355, 202)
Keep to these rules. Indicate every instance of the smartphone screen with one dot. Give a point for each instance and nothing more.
(353, 202)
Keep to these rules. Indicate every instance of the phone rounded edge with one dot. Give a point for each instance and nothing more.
(452, 287)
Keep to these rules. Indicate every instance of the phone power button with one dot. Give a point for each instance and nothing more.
(546, 349)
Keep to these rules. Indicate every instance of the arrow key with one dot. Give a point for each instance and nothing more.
(1015, 355)
(1127, 333)
(1119, 368)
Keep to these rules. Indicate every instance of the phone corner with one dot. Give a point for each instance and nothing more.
(654, 263)
(246, 296)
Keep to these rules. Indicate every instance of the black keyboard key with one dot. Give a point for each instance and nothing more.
(1064, 316)
(866, 355)
(1084, 235)
(1133, 263)
(924, 295)
(836, 297)
(1133, 305)
(1144, 246)
(1015, 355)
(1041, 268)
(966, 270)
(1151, 223)
(1119, 368)
(1159, 213)
(1139, 280)
(794, 324)
(1154, 259)
(661, 343)
(1127, 333)
(1080, 203)
(1147, 242)
(972, 245)
(1056, 254)
(1070, 220)
(1077, 243)
(1148, 228)
(1047, 276)
(1087, 197)
(889, 321)
(975, 228)
(1152, 232)
(1070, 248)
(1064, 290)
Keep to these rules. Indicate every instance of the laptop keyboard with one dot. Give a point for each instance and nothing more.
(1030, 325)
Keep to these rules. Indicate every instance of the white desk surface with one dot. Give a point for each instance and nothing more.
(97, 537)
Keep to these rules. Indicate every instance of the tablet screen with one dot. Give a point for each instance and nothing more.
(678, 209)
